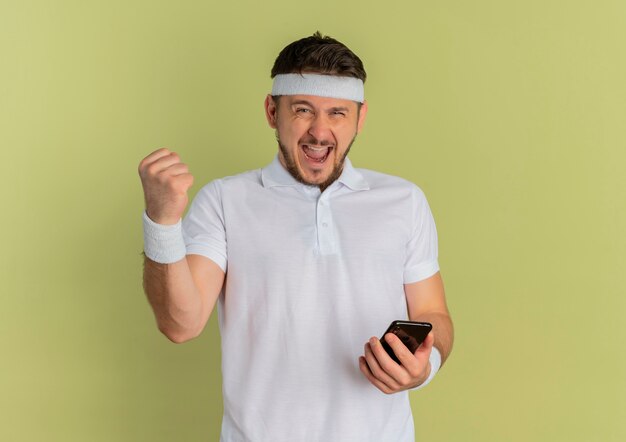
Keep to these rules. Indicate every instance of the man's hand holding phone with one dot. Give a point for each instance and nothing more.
(389, 376)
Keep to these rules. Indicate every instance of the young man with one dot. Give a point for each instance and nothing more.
(319, 256)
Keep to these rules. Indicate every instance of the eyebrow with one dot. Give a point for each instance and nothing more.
(340, 109)
(332, 109)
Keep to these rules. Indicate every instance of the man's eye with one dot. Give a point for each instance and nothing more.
(339, 114)
(303, 110)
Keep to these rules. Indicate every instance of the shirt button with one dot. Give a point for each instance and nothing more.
(324, 224)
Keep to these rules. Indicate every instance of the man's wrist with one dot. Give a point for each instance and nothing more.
(163, 243)
(435, 365)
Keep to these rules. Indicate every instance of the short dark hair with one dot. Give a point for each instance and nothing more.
(321, 55)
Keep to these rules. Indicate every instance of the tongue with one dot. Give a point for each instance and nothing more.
(315, 154)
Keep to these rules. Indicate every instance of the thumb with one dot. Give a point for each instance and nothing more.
(423, 351)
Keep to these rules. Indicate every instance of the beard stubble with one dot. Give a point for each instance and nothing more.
(292, 168)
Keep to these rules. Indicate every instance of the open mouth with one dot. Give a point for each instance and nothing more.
(316, 154)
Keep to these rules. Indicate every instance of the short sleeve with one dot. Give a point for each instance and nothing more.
(204, 230)
(422, 249)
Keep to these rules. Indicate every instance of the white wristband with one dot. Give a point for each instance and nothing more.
(435, 364)
(161, 243)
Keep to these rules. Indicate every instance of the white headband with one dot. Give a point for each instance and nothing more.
(333, 86)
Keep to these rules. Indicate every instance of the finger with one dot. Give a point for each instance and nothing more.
(186, 178)
(175, 183)
(370, 377)
(388, 365)
(422, 358)
(413, 363)
(162, 163)
(423, 351)
(177, 169)
(376, 369)
(157, 166)
(407, 359)
(153, 157)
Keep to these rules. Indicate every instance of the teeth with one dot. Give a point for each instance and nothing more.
(316, 151)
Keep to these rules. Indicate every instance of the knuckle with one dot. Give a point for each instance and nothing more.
(161, 178)
(152, 169)
(173, 184)
(414, 372)
(376, 371)
(387, 365)
(144, 165)
(374, 367)
(376, 353)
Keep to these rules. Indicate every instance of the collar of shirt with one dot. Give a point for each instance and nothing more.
(276, 175)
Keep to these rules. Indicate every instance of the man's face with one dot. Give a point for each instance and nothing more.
(314, 134)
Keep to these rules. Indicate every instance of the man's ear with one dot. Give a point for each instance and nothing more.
(362, 115)
(270, 111)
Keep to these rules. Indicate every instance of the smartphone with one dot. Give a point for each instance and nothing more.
(411, 333)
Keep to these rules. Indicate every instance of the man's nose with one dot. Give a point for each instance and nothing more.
(320, 129)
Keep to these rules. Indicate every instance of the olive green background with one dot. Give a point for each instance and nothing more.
(509, 115)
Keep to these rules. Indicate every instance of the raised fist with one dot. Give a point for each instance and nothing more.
(165, 182)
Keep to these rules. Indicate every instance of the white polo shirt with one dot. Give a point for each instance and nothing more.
(310, 278)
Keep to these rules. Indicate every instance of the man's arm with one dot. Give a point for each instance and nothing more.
(181, 291)
(425, 302)
(182, 294)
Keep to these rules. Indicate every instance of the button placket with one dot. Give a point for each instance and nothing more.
(325, 230)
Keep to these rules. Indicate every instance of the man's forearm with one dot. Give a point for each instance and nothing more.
(443, 330)
(174, 298)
